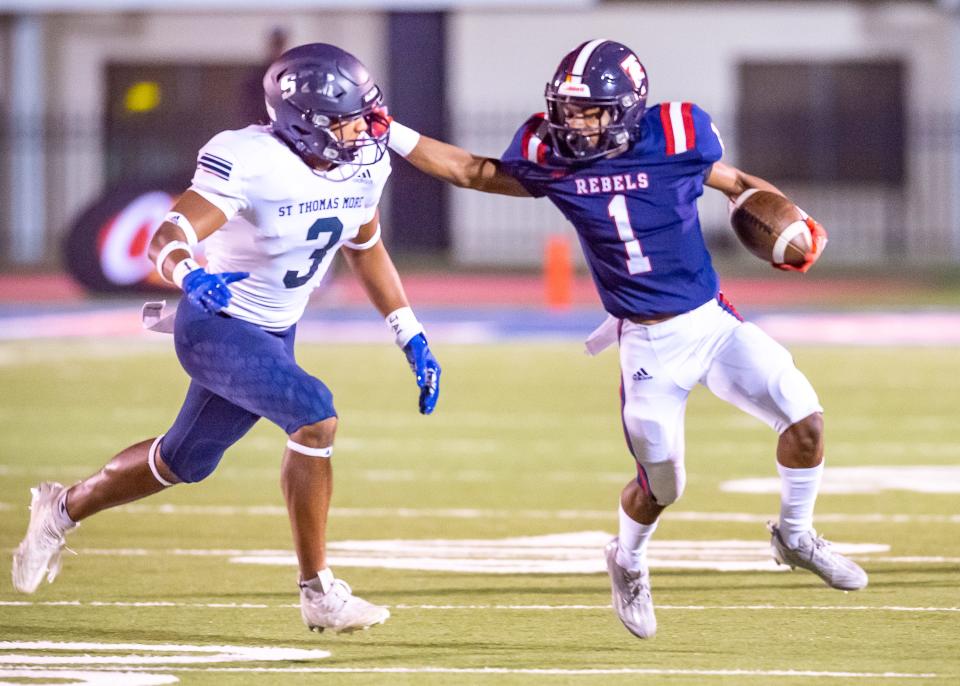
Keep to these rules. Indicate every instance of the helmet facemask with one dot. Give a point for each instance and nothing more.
(314, 137)
(578, 143)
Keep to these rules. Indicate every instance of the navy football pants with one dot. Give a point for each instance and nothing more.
(239, 373)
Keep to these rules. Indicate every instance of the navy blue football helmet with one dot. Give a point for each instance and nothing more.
(312, 89)
(599, 74)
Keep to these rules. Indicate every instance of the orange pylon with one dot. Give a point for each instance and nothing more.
(558, 272)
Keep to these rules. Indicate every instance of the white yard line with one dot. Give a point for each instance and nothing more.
(481, 513)
(549, 671)
(59, 652)
(526, 608)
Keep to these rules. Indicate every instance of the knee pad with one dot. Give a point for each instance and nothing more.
(795, 396)
(665, 481)
(192, 460)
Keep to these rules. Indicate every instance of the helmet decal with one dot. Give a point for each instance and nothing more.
(631, 67)
(586, 52)
(568, 88)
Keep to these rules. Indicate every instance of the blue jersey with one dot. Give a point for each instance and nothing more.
(636, 213)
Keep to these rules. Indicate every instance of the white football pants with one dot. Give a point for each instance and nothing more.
(661, 363)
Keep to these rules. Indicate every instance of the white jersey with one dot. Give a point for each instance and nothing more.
(285, 221)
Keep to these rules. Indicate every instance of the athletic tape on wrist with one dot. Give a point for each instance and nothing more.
(183, 268)
(165, 252)
(181, 221)
(404, 324)
(402, 139)
(308, 451)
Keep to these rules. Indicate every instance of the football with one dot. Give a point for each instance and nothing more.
(771, 227)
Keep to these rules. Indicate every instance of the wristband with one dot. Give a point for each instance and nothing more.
(403, 322)
(184, 224)
(165, 252)
(402, 139)
(183, 268)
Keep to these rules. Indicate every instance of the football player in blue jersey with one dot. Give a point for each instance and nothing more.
(628, 177)
(273, 205)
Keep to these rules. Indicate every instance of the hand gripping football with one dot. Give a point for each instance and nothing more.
(771, 227)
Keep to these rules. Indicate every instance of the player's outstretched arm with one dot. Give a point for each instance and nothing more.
(453, 164)
(370, 261)
(192, 219)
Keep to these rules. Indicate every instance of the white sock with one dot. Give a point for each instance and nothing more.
(321, 582)
(798, 494)
(633, 537)
(61, 517)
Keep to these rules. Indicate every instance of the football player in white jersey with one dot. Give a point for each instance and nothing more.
(274, 204)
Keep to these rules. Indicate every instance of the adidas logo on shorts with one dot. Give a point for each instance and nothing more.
(641, 375)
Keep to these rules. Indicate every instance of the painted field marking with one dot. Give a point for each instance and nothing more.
(649, 671)
(28, 655)
(84, 678)
(481, 513)
(194, 654)
(563, 553)
(922, 328)
(163, 604)
(866, 480)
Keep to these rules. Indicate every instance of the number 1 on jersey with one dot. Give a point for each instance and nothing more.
(637, 262)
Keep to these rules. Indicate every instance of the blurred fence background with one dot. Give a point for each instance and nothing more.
(852, 108)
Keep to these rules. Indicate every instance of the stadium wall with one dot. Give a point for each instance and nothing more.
(692, 51)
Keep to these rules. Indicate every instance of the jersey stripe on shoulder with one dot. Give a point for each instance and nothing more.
(532, 146)
(215, 165)
(678, 128)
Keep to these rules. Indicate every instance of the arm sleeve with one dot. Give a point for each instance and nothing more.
(525, 155)
(219, 175)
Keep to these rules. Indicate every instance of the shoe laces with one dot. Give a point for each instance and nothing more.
(338, 589)
(342, 586)
(636, 583)
(52, 535)
(821, 548)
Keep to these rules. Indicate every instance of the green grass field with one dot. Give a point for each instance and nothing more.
(526, 442)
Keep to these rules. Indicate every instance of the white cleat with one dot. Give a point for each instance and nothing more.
(328, 603)
(632, 600)
(815, 554)
(39, 552)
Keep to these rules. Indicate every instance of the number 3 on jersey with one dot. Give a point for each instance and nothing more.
(637, 262)
(331, 226)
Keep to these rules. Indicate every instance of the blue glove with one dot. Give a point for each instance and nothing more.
(425, 366)
(210, 291)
